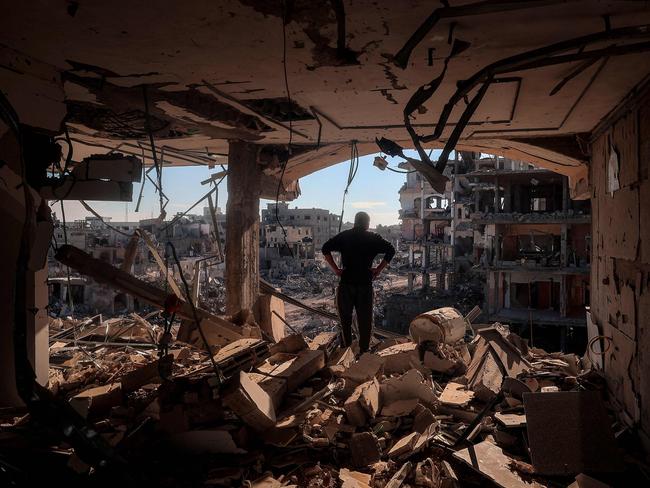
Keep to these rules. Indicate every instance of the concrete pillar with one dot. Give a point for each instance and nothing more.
(242, 227)
(563, 295)
(497, 195)
(564, 237)
(426, 254)
(507, 197)
(565, 194)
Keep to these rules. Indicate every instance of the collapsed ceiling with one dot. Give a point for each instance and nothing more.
(203, 73)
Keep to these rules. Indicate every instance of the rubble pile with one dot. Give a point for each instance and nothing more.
(437, 408)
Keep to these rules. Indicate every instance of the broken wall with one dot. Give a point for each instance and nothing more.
(620, 276)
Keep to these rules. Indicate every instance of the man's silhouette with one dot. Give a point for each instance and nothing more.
(358, 247)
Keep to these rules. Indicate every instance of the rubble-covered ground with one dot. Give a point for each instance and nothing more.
(318, 290)
(416, 411)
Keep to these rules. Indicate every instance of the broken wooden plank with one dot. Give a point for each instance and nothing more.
(103, 272)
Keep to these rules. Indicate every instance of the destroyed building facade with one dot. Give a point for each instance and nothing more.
(426, 217)
(533, 244)
(516, 226)
(98, 97)
(323, 223)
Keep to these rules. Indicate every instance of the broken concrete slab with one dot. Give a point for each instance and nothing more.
(404, 446)
(511, 420)
(206, 441)
(440, 325)
(367, 367)
(97, 401)
(400, 358)
(283, 373)
(354, 479)
(364, 403)
(489, 460)
(365, 450)
(584, 481)
(456, 395)
(409, 385)
(400, 408)
(291, 343)
(251, 403)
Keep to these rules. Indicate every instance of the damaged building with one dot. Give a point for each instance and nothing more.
(100, 99)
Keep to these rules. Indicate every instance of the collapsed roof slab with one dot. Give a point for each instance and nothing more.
(215, 72)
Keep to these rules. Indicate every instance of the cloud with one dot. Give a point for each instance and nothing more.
(367, 204)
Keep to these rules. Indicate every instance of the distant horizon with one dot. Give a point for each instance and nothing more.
(373, 191)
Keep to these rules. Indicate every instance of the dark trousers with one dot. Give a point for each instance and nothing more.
(351, 297)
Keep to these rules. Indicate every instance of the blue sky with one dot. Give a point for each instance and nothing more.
(372, 191)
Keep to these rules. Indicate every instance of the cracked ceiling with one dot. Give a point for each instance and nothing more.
(214, 71)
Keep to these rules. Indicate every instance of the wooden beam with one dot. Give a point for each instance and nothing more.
(243, 227)
(103, 272)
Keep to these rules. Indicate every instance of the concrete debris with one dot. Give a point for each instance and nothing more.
(427, 414)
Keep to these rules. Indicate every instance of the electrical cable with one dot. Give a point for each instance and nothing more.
(354, 166)
(65, 240)
(400, 171)
(153, 147)
(101, 219)
(194, 313)
(180, 216)
(288, 92)
(43, 407)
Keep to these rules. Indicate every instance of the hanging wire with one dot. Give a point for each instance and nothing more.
(400, 171)
(195, 315)
(65, 240)
(288, 92)
(354, 166)
(153, 148)
(101, 219)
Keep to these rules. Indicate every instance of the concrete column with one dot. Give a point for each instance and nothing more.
(426, 254)
(507, 197)
(563, 296)
(497, 195)
(564, 237)
(565, 194)
(242, 227)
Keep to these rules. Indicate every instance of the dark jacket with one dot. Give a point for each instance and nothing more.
(358, 248)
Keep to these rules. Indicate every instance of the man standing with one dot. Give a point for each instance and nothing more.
(358, 247)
